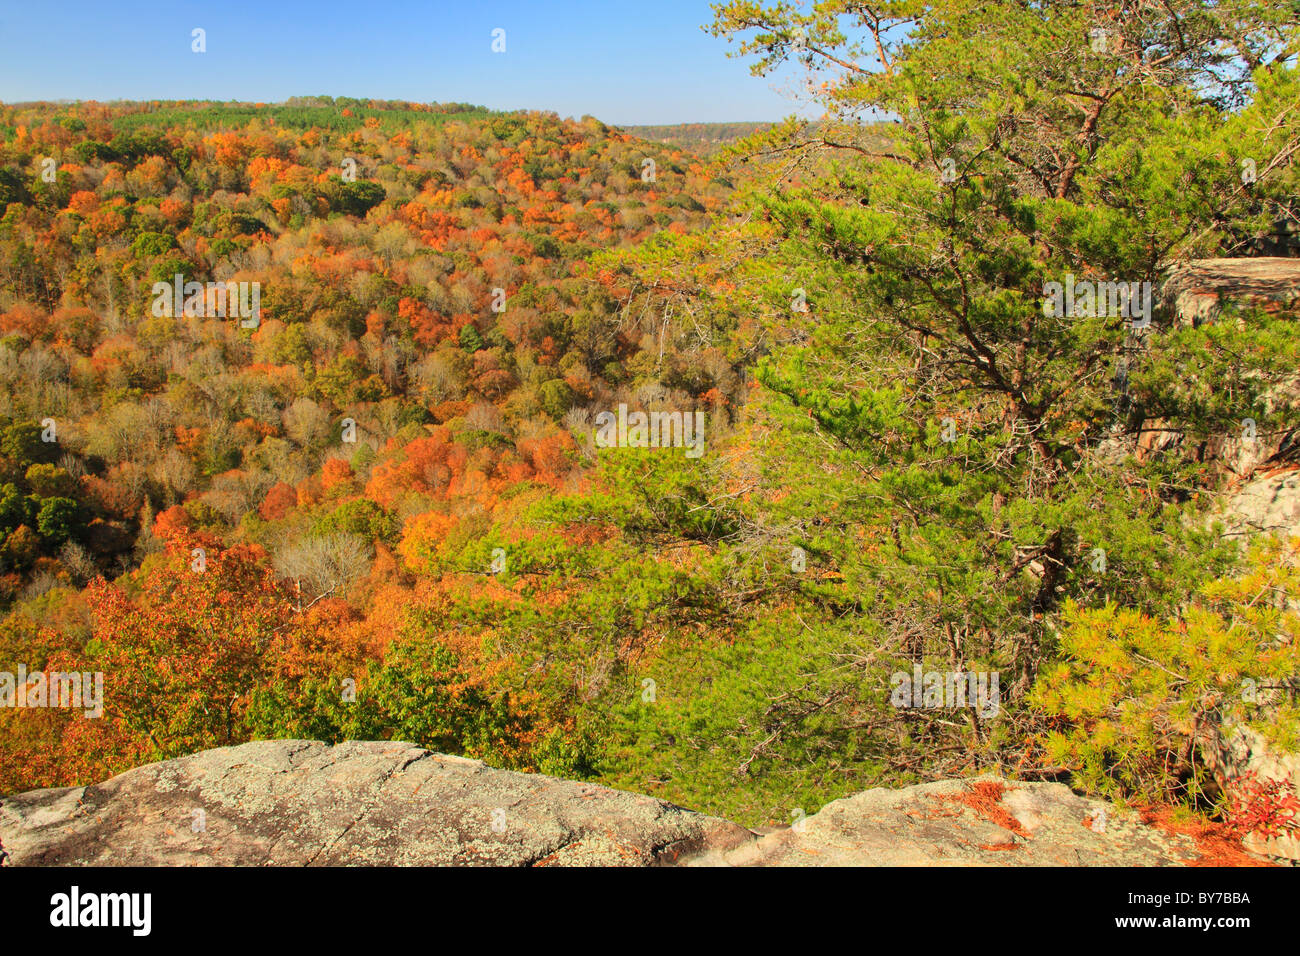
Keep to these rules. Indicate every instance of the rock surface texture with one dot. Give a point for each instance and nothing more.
(301, 803)
(1265, 505)
(1197, 290)
(979, 822)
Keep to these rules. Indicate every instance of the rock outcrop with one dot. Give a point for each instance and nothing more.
(1196, 291)
(300, 803)
(1269, 504)
(981, 822)
(303, 803)
(1240, 753)
(1236, 754)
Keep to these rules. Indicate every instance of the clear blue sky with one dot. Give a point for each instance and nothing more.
(623, 62)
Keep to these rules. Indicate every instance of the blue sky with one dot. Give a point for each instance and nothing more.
(623, 62)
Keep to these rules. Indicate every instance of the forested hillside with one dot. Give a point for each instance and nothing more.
(429, 336)
(385, 506)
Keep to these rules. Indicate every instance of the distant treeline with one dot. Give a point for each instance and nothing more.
(700, 138)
